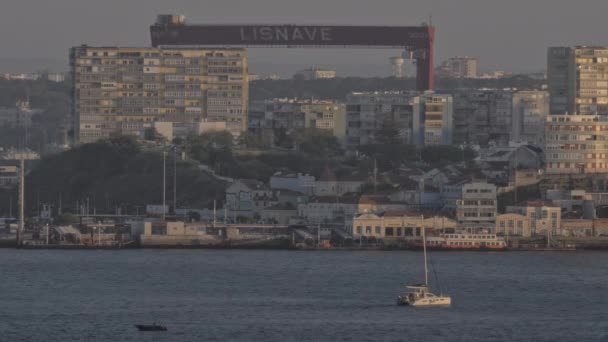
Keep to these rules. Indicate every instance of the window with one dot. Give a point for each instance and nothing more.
(359, 230)
(378, 232)
(399, 231)
(388, 232)
(368, 230)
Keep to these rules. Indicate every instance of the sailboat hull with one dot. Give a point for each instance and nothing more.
(423, 301)
(436, 301)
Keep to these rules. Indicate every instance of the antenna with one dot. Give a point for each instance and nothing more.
(164, 183)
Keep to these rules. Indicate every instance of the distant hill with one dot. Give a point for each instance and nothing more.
(338, 88)
(115, 173)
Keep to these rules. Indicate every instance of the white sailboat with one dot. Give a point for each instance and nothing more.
(419, 294)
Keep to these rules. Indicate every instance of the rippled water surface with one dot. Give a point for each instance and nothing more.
(240, 295)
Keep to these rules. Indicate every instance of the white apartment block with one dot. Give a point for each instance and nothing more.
(122, 90)
(477, 206)
(576, 144)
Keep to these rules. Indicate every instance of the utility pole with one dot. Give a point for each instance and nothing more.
(164, 183)
(375, 175)
(174, 179)
(226, 213)
(21, 227)
(515, 180)
(319, 236)
(214, 214)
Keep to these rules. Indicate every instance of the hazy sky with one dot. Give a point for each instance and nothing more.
(508, 34)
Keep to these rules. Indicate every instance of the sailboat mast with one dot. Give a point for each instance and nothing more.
(426, 270)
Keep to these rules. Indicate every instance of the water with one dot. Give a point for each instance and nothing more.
(239, 295)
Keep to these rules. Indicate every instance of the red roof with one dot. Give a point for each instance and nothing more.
(537, 203)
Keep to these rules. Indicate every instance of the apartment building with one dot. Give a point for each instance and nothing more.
(578, 80)
(422, 119)
(315, 74)
(529, 114)
(432, 119)
(459, 67)
(477, 206)
(122, 90)
(267, 115)
(576, 144)
(367, 113)
(482, 116)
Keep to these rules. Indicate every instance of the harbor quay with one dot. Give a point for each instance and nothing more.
(155, 233)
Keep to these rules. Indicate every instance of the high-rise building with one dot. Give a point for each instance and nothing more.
(482, 116)
(432, 119)
(529, 114)
(122, 90)
(267, 115)
(576, 144)
(411, 117)
(368, 114)
(459, 67)
(578, 80)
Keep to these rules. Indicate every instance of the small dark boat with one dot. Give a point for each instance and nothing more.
(148, 327)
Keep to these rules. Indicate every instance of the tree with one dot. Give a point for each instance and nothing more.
(388, 134)
(151, 134)
(194, 216)
(281, 139)
(443, 154)
(251, 140)
(317, 142)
